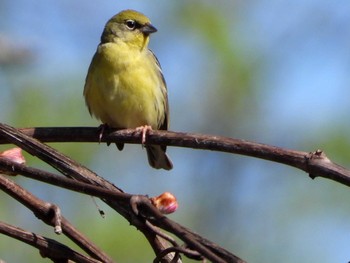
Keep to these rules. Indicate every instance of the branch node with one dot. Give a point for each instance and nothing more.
(56, 218)
(137, 200)
(158, 232)
(177, 250)
(316, 155)
(134, 202)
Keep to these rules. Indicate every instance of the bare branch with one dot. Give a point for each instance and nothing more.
(48, 247)
(74, 170)
(51, 215)
(60, 181)
(189, 253)
(314, 163)
(147, 209)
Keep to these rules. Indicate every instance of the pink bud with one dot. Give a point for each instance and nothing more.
(14, 154)
(166, 203)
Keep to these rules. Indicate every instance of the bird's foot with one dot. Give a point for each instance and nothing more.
(101, 130)
(144, 129)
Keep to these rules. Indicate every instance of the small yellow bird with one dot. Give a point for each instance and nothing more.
(125, 87)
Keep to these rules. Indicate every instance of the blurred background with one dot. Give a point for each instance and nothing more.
(275, 72)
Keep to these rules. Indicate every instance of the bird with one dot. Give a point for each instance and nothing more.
(125, 86)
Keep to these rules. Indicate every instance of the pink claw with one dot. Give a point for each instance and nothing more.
(144, 129)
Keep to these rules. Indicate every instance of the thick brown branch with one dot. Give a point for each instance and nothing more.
(321, 166)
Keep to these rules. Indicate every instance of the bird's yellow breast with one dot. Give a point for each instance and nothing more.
(124, 87)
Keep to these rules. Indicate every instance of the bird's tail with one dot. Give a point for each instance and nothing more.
(157, 157)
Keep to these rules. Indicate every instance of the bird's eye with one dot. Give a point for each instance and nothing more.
(131, 24)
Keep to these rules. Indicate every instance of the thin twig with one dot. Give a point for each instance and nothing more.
(48, 247)
(60, 181)
(51, 215)
(189, 253)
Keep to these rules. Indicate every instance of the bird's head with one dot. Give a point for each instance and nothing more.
(128, 26)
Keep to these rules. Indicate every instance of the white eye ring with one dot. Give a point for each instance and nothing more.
(131, 24)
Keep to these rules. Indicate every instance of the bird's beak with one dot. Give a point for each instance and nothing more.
(148, 29)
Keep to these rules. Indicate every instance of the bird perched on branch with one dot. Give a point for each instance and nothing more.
(125, 87)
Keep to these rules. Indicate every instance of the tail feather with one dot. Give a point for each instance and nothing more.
(157, 158)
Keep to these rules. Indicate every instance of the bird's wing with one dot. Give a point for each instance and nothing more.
(165, 124)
